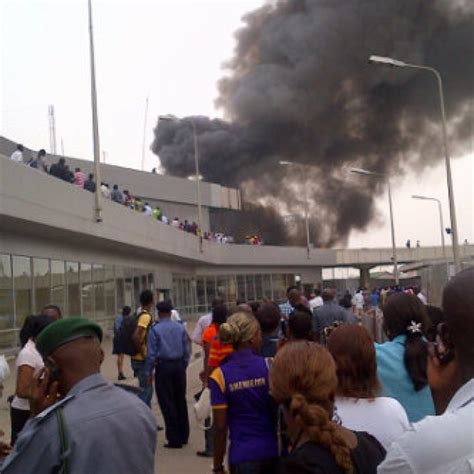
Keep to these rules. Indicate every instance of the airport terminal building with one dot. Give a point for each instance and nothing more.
(53, 251)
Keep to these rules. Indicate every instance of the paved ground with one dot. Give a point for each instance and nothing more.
(179, 461)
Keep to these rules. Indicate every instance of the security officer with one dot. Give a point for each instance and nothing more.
(169, 351)
(83, 424)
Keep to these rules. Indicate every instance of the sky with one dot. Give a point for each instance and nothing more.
(173, 53)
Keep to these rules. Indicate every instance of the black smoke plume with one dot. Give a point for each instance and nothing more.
(299, 88)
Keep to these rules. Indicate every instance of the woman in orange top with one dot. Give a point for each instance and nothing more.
(214, 351)
(211, 344)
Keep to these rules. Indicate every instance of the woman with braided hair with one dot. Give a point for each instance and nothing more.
(303, 380)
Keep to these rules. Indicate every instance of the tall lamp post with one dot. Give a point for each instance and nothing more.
(171, 118)
(452, 208)
(440, 210)
(95, 123)
(306, 207)
(392, 225)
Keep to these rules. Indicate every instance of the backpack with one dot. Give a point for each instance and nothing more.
(126, 332)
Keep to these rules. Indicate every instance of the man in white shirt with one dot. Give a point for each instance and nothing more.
(444, 444)
(358, 302)
(147, 210)
(421, 296)
(316, 301)
(204, 322)
(17, 155)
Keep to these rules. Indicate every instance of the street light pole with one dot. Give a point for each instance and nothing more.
(452, 208)
(171, 118)
(392, 223)
(392, 230)
(198, 182)
(95, 122)
(306, 208)
(441, 224)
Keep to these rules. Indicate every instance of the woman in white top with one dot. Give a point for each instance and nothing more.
(28, 362)
(357, 404)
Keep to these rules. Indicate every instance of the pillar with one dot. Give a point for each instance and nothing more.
(364, 280)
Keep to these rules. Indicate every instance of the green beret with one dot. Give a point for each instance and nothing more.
(63, 331)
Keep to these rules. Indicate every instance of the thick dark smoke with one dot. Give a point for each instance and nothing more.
(300, 89)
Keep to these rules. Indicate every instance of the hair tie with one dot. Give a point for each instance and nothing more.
(414, 328)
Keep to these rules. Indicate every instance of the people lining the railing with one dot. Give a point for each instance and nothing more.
(61, 170)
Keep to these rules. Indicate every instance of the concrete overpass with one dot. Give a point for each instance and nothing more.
(36, 205)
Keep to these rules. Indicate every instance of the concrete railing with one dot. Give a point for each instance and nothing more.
(32, 199)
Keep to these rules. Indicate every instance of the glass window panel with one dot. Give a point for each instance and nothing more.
(99, 291)
(144, 280)
(241, 292)
(87, 291)
(136, 289)
(73, 294)
(267, 287)
(109, 288)
(151, 282)
(23, 288)
(210, 289)
(279, 287)
(129, 299)
(6, 296)
(258, 287)
(250, 285)
(201, 294)
(42, 283)
(58, 293)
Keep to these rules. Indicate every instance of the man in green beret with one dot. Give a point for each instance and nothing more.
(81, 423)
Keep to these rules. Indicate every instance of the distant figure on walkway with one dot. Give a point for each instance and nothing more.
(418, 244)
(408, 244)
(105, 190)
(58, 170)
(79, 178)
(89, 183)
(84, 424)
(17, 155)
(38, 162)
(116, 195)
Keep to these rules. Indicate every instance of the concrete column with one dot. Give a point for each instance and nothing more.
(364, 275)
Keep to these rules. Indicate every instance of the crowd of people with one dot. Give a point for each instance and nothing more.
(77, 177)
(295, 387)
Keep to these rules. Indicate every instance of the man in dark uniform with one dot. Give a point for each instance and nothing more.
(83, 424)
(168, 352)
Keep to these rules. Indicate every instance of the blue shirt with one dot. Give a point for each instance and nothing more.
(108, 430)
(286, 309)
(374, 299)
(118, 323)
(167, 340)
(396, 382)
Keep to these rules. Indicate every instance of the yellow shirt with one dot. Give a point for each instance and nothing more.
(144, 321)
